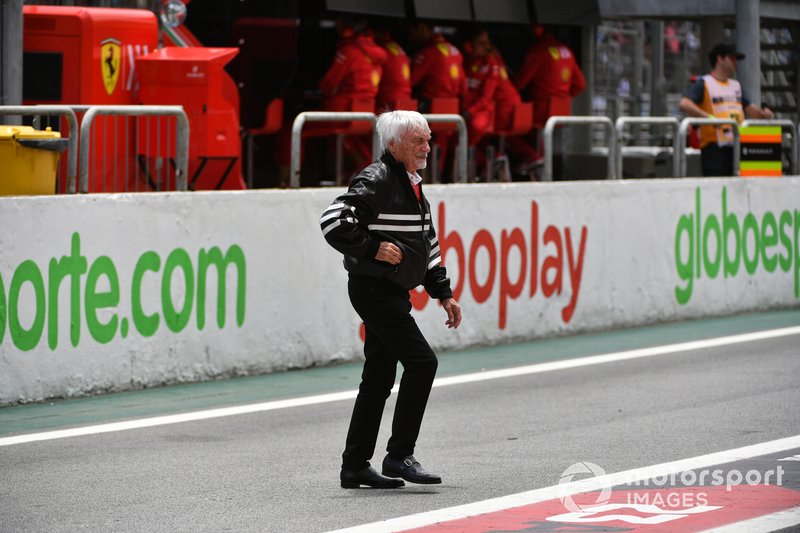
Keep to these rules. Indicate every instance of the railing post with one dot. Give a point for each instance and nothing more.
(297, 129)
(182, 151)
(462, 154)
(181, 137)
(624, 121)
(322, 116)
(549, 127)
(83, 164)
(683, 131)
(376, 144)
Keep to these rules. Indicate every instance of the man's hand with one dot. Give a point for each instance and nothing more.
(389, 253)
(453, 311)
(754, 111)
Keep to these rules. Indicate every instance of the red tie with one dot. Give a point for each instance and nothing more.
(415, 186)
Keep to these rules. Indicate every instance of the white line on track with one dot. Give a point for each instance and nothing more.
(670, 349)
(762, 524)
(405, 523)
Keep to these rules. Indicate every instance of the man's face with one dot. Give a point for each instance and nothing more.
(481, 44)
(412, 149)
(728, 64)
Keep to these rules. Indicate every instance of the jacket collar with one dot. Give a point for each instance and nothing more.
(399, 169)
(394, 165)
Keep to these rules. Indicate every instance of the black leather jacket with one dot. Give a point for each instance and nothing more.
(380, 205)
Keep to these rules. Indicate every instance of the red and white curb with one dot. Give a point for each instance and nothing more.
(663, 510)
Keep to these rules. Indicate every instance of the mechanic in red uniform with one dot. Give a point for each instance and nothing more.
(354, 74)
(549, 71)
(506, 98)
(437, 71)
(491, 98)
(482, 70)
(356, 69)
(395, 86)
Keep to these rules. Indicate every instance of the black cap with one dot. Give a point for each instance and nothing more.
(723, 49)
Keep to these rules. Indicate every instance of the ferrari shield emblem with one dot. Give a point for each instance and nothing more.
(110, 63)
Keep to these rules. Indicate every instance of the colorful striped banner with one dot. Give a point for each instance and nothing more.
(760, 168)
(761, 151)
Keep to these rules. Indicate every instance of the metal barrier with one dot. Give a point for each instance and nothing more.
(784, 124)
(325, 116)
(669, 121)
(72, 140)
(461, 157)
(181, 162)
(683, 132)
(550, 125)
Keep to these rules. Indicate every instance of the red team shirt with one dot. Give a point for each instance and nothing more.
(506, 97)
(355, 73)
(483, 73)
(396, 81)
(551, 71)
(438, 71)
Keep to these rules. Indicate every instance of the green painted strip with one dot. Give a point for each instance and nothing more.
(290, 384)
(760, 130)
(761, 165)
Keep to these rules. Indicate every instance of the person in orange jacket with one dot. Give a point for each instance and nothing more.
(395, 86)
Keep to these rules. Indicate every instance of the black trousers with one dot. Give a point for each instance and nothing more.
(717, 160)
(392, 335)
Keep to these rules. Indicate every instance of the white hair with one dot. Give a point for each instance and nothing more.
(391, 125)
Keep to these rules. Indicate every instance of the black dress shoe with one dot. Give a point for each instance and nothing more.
(410, 470)
(370, 477)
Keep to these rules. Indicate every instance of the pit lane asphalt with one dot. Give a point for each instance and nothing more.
(278, 470)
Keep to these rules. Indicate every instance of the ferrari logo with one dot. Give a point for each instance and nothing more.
(454, 72)
(110, 63)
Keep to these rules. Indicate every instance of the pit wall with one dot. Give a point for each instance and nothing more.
(112, 292)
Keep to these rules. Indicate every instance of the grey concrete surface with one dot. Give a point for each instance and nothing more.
(278, 470)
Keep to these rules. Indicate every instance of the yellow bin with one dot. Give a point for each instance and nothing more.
(29, 160)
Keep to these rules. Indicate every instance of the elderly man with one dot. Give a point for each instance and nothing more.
(383, 226)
